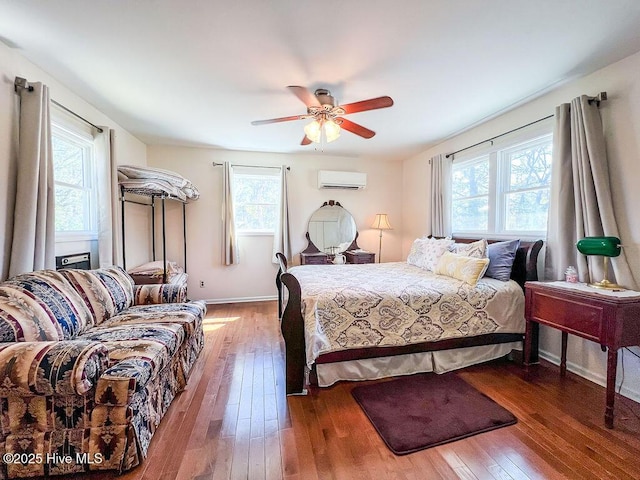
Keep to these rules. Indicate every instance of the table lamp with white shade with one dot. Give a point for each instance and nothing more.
(381, 222)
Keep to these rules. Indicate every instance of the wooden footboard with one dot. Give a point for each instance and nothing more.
(292, 322)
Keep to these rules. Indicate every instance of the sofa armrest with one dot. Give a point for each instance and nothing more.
(68, 367)
(160, 293)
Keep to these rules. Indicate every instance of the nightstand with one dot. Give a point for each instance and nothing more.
(360, 257)
(611, 319)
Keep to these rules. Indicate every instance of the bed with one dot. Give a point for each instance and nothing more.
(367, 321)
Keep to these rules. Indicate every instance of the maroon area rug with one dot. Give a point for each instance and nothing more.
(420, 411)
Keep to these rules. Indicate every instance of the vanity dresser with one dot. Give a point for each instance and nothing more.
(332, 234)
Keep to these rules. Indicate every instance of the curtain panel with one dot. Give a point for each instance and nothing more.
(108, 224)
(581, 200)
(33, 242)
(440, 179)
(230, 238)
(282, 237)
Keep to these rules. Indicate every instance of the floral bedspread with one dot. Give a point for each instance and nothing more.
(354, 306)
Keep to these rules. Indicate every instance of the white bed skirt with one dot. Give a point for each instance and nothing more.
(440, 362)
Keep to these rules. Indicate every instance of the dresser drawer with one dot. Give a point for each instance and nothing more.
(360, 257)
(574, 316)
(314, 259)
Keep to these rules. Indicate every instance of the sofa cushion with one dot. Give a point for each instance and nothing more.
(136, 355)
(41, 306)
(187, 314)
(170, 335)
(106, 292)
(174, 292)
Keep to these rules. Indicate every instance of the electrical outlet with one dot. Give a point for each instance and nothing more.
(201, 283)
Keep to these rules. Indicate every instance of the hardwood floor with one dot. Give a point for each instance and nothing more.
(234, 421)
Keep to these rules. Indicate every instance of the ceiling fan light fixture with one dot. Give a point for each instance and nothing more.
(313, 131)
(326, 115)
(331, 130)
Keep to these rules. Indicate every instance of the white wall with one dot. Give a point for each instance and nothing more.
(254, 277)
(621, 118)
(128, 149)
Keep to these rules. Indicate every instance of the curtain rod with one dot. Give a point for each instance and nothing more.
(602, 96)
(242, 165)
(21, 83)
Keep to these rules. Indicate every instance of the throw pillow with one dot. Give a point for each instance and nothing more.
(501, 258)
(474, 249)
(467, 269)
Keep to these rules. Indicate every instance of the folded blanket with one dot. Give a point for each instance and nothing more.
(147, 186)
(134, 172)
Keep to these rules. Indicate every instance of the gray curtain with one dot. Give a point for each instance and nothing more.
(440, 172)
(108, 224)
(581, 204)
(33, 243)
(229, 239)
(281, 238)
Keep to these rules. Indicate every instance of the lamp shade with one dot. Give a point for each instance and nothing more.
(604, 246)
(331, 130)
(313, 131)
(381, 222)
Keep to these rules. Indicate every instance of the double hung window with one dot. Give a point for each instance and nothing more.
(503, 191)
(256, 199)
(75, 180)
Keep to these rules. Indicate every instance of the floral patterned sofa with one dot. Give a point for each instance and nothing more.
(89, 364)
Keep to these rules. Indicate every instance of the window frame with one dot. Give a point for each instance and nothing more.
(264, 172)
(71, 130)
(499, 182)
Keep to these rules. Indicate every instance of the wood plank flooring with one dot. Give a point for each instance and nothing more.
(234, 422)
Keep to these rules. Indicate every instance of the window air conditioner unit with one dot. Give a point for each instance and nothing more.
(344, 180)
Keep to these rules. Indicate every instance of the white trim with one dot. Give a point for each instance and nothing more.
(256, 233)
(63, 237)
(218, 301)
(633, 394)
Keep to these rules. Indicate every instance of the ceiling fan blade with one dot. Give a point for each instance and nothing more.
(371, 104)
(305, 141)
(308, 98)
(357, 129)
(281, 119)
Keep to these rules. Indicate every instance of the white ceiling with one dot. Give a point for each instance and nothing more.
(197, 72)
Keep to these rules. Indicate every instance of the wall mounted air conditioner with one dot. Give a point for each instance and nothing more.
(345, 180)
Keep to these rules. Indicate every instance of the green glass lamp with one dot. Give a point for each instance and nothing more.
(605, 247)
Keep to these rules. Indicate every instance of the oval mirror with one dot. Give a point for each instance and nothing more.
(332, 229)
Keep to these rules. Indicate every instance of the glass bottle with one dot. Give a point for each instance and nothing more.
(571, 275)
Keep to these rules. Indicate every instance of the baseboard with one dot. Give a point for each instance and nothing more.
(216, 301)
(598, 379)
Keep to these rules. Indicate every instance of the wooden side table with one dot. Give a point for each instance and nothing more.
(608, 318)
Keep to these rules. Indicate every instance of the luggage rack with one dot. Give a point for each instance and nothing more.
(153, 195)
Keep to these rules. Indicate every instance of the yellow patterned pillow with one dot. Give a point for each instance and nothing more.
(467, 269)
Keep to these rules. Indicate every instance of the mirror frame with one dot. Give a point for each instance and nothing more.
(311, 248)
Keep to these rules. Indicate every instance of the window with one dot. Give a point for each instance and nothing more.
(256, 199)
(504, 191)
(74, 179)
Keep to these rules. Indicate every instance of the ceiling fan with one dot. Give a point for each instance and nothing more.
(328, 116)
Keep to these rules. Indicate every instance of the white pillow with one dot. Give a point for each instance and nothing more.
(425, 252)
